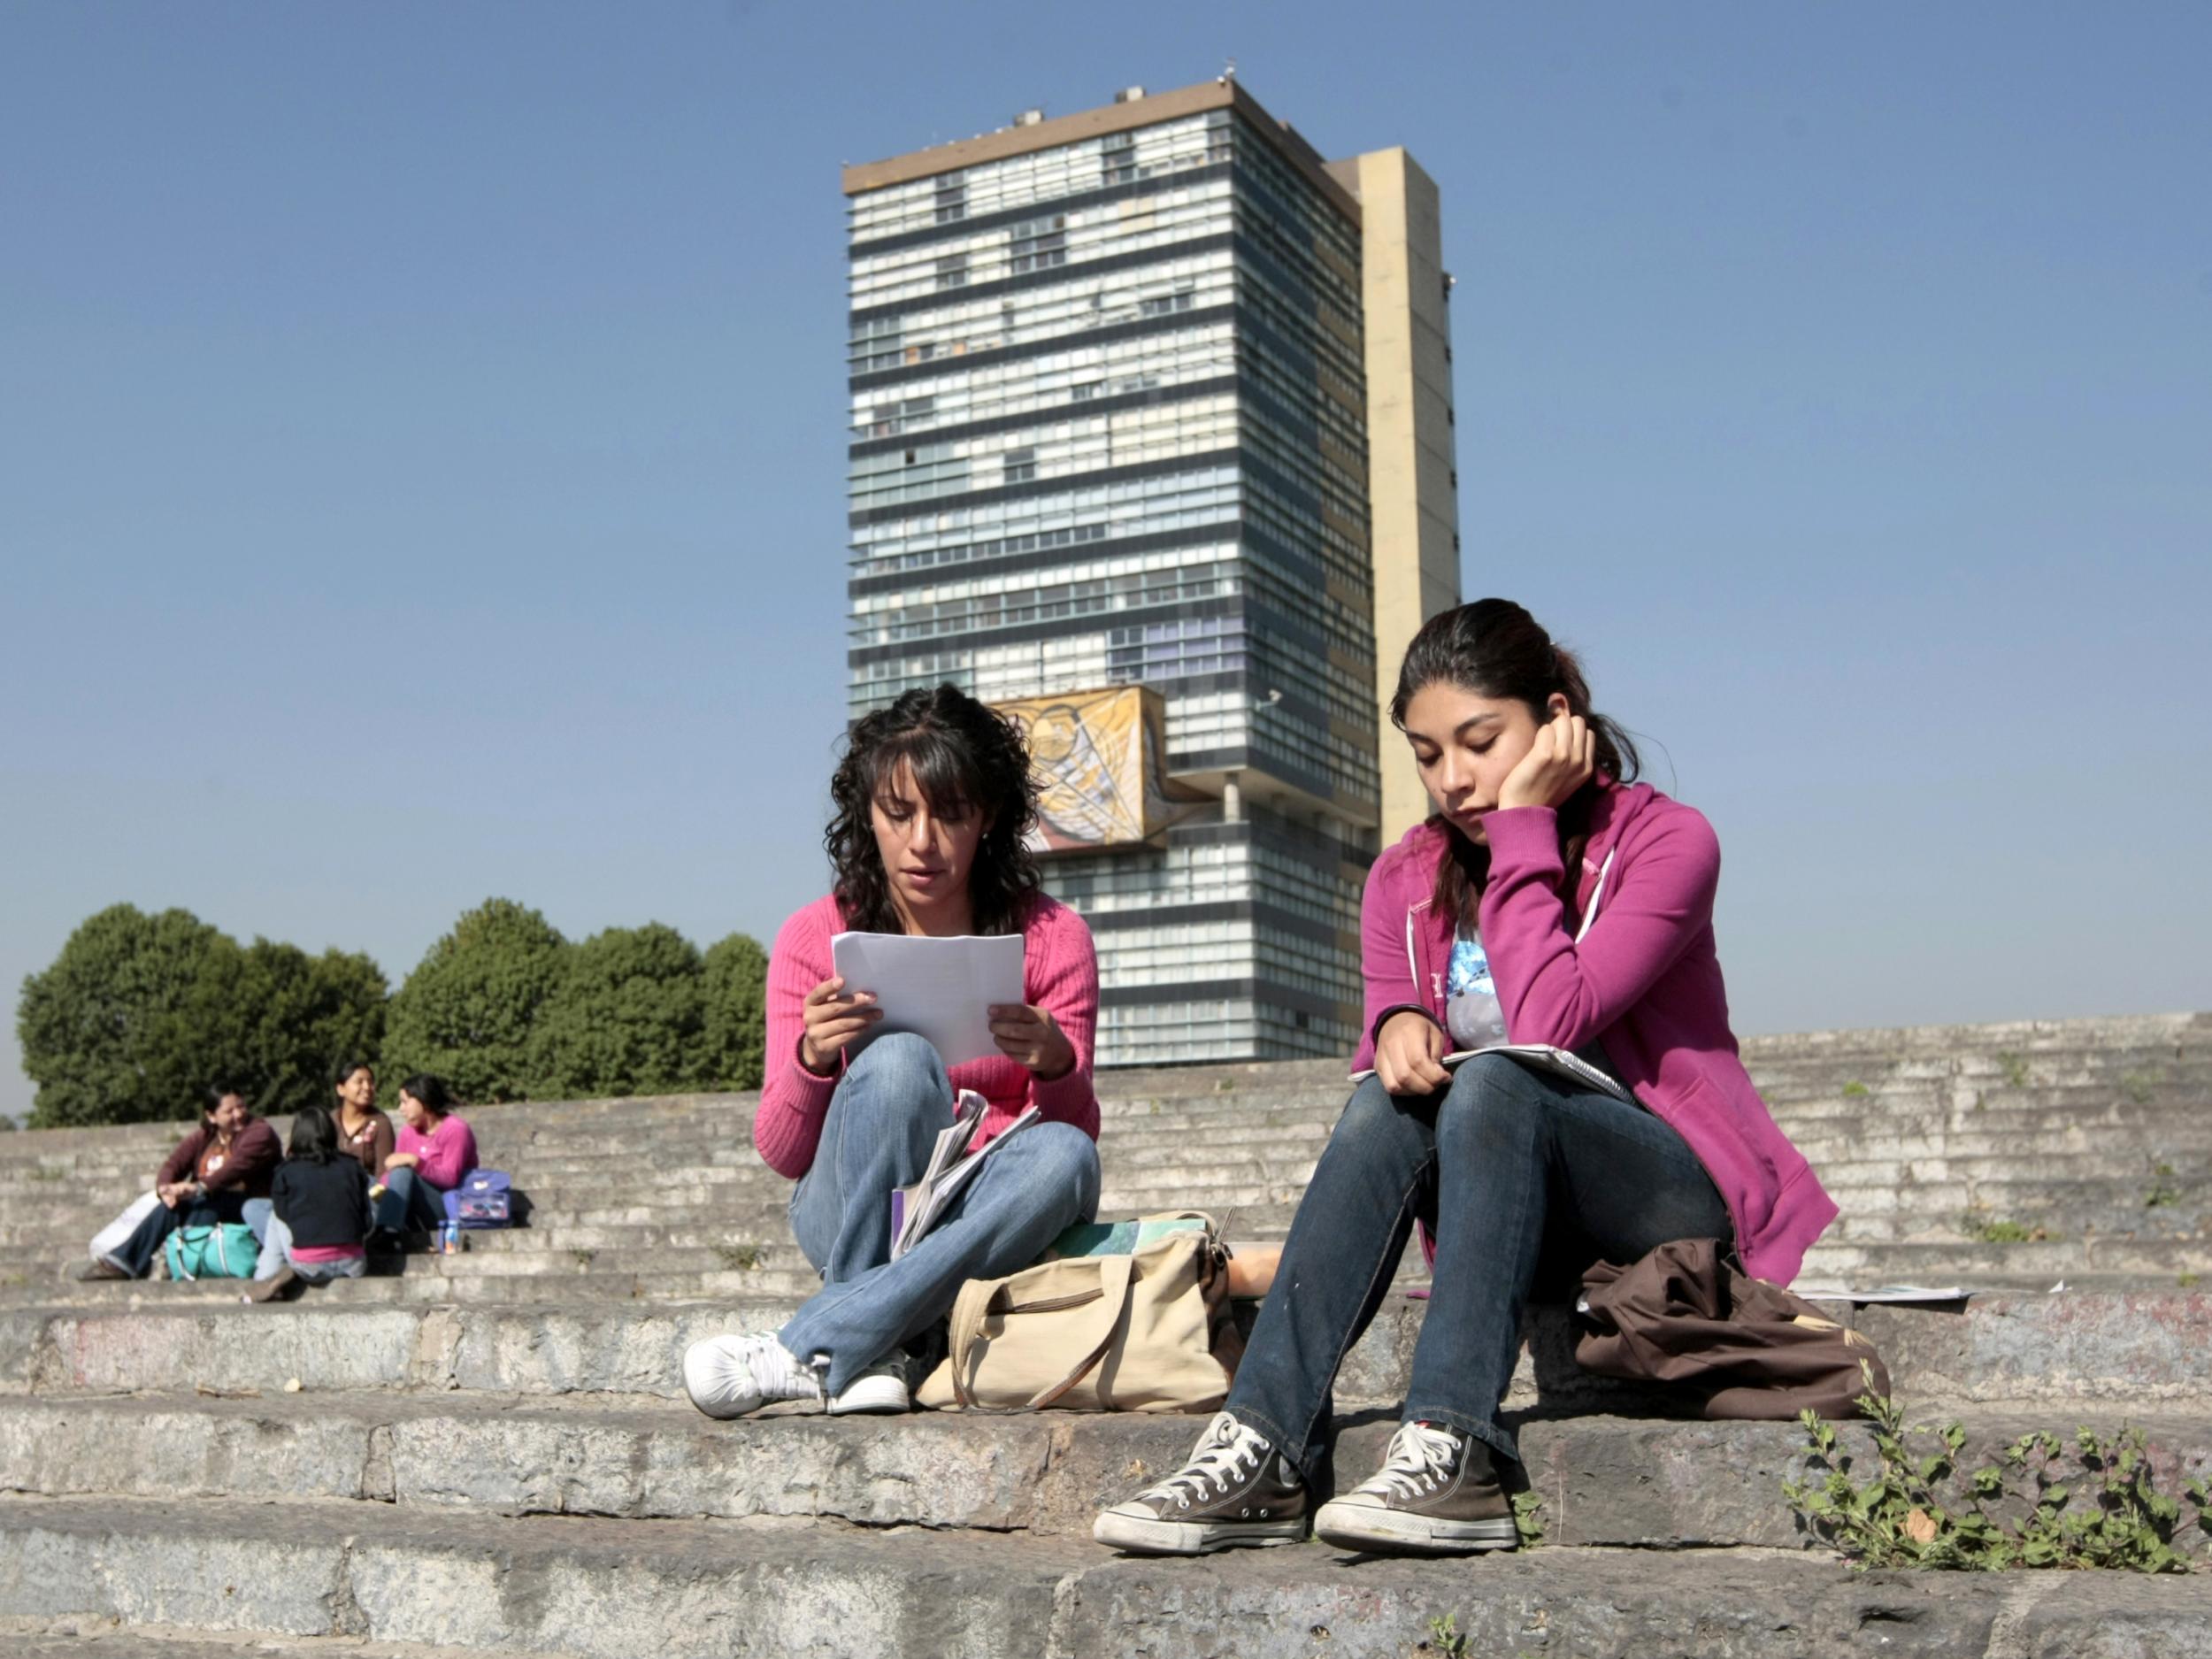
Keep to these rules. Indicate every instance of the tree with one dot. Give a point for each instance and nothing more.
(626, 1019)
(734, 977)
(466, 1011)
(279, 1018)
(114, 1031)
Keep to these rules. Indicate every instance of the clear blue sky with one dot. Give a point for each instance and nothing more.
(421, 447)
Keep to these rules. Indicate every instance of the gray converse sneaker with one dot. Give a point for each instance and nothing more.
(1436, 1494)
(730, 1376)
(1235, 1491)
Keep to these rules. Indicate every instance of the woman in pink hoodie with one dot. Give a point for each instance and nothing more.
(1548, 900)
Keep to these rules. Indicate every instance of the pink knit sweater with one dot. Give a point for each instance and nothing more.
(1059, 974)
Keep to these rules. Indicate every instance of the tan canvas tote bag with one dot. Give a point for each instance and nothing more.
(1136, 1333)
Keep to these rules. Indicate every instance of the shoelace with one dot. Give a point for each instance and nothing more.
(1419, 1458)
(776, 1370)
(1220, 1460)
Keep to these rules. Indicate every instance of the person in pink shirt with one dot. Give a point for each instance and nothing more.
(934, 805)
(1548, 902)
(435, 1150)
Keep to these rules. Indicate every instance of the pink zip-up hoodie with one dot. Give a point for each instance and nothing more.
(1641, 974)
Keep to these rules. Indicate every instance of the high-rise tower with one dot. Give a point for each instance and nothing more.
(1152, 396)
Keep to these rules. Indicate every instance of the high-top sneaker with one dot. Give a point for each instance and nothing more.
(1438, 1493)
(1237, 1490)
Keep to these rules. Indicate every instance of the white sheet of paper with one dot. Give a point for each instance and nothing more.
(937, 988)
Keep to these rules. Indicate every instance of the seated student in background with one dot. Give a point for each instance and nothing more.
(363, 1134)
(1548, 900)
(436, 1149)
(320, 1200)
(933, 800)
(209, 1178)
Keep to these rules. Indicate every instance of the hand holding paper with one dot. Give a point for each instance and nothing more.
(941, 989)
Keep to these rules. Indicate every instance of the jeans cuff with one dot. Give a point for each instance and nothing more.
(1485, 1429)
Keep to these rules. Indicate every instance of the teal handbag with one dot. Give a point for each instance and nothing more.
(227, 1251)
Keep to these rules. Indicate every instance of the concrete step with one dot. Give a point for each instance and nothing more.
(99, 1638)
(1604, 1480)
(2144, 1260)
(2142, 1349)
(417, 1290)
(605, 1588)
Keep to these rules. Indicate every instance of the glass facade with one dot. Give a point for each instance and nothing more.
(1106, 427)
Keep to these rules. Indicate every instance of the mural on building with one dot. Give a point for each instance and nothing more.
(1099, 759)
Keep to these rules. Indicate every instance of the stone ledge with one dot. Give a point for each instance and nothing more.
(611, 1589)
(1605, 1481)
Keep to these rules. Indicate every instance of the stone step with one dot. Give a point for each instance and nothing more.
(1968, 1262)
(606, 1588)
(98, 1638)
(1604, 1480)
(416, 1289)
(2142, 1348)
(2059, 1220)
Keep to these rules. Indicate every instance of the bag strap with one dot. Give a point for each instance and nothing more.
(1118, 1279)
(978, 1298)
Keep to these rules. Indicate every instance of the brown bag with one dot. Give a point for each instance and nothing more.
(1147, 1332)
(1687, 1315)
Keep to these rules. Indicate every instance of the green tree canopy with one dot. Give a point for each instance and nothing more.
(626, 1019)
(279, 1018)
(115, 1031)
(733, 976)
(466, 1011)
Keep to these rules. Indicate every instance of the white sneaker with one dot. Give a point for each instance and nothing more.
(881, 1388)
(730, 1376)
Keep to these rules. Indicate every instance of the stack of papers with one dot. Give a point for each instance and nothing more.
(941, 989)
(1824, 1292)
(915, 1209)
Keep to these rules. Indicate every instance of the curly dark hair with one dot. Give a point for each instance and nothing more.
(964, 756)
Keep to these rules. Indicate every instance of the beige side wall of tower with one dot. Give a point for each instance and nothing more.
(1411, 482)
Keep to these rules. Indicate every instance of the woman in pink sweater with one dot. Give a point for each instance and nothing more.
(1546, 901)
(934, 803)
(436, 1149)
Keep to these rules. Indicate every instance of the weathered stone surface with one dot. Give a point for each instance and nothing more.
(1612, 1481)
(700, 1588)
(2144, 1346)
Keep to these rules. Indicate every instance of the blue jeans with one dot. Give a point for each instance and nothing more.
(409, 1202)
(1516, 1171)
(882, 1122)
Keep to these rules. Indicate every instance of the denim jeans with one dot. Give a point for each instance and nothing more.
(882, 1122)
(409, 1202)
(1517, 1171)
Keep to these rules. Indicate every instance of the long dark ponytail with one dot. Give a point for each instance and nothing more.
(1494, 649)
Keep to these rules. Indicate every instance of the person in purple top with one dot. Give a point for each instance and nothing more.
(1548, 902)
(436, 1150)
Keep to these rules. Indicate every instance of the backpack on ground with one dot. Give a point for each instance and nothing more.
(227, 1250)
(1148, 1330)
(483, 1198)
